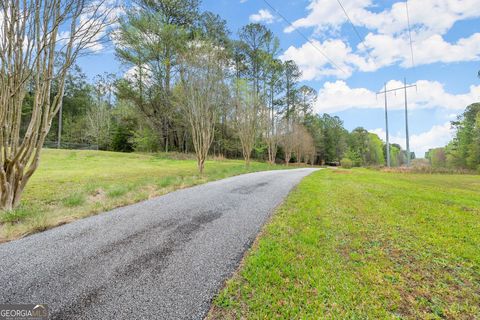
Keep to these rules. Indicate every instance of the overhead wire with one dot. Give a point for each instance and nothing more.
(362, 41)
(305, 37)
(410, 33)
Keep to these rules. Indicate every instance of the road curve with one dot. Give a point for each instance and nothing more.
(163, 258)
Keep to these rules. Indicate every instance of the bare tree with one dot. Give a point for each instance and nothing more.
(99, 124)
(272, 139)
(302, 139)
(201, 94)
(309, 150)
(39, 42)
(246, 117)
(287, 139)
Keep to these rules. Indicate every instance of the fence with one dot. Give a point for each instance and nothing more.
(67, 145)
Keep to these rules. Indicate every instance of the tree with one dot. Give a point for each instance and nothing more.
(375, 150)
(99, 115)
(151, 39)
(253, 54)
(395, 152)
(437, 157)
(254, 37)
(246, 117)
(307, 99)
(287, 140)
(71, 121)
(302, 140)
(39, 42)
(358, 146)
(274, 82)
(201, 94)
(292, 75)
(334, 138)
(99, 125)
(463, 151)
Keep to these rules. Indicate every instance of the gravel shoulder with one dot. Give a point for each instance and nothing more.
(163, 258)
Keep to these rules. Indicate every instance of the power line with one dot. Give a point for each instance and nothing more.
(410, 33)
(305, 37)
(355, 29)
(385, 91)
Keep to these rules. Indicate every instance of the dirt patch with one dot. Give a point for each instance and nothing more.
(338, 171)
(151, 191)
(98, 195)
(65, 221)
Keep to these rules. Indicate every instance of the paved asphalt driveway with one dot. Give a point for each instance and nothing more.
(163, 258)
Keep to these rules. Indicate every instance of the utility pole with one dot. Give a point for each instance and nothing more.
(404, 88)
(406, 122)
(386, 124)
(59, 139)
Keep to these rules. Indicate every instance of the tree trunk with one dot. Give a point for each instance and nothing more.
(287, 158)
(30, 49)
(201, 165)
(270, 153)
(12, 189)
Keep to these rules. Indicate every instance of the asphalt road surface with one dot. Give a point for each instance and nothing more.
(163, 258)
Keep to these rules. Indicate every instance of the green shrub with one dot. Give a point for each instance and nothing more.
(146, 140)
(74, 200)
(165, 182)
(16, 215)
(117, 191)
(346, 163)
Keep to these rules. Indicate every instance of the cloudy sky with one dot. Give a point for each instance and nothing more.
(347, 71)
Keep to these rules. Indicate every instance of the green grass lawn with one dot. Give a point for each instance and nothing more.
(73, 184)
(364, 244)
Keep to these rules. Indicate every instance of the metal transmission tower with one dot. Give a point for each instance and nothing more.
(404, 88)
(386, 123)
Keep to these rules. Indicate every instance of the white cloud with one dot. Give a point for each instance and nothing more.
(338, 96)
(387, 41)
(326, 14)
(384, 50)
(387, 50)
(434, 16)
(314, 65)
(437, 136)
(264, 16)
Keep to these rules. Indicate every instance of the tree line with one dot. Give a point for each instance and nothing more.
(463, 152)
(192, 87)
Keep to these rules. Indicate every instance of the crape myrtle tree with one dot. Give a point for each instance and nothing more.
(202, 92)
(272, 88)
(253, 52)
(287, 139)
(246, 116)
(39, 42)
(275, 85)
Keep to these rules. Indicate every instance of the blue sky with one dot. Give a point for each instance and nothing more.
(446, 54)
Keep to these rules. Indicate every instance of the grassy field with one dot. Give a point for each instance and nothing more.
(73, 184)
(360, 244)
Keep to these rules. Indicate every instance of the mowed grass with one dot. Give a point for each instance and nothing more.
(360, 244)
(73, 184)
